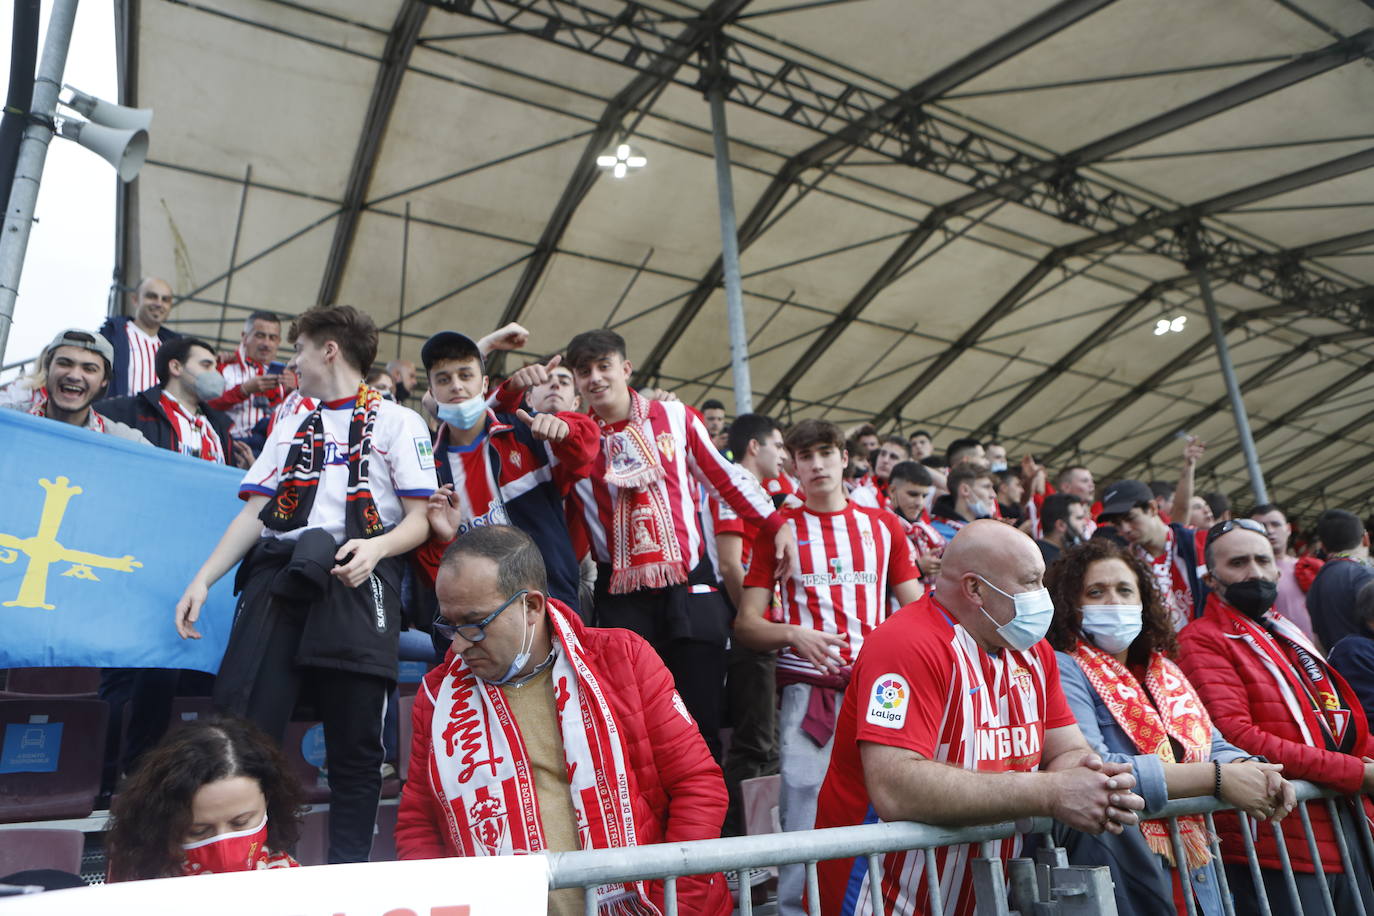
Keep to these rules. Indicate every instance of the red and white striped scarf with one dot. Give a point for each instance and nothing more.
(1314, 698)
(481, 770)
(1176, 713)
(646, 552)
(38, 407)
(187, 429)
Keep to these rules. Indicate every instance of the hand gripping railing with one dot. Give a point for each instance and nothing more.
(669, 861)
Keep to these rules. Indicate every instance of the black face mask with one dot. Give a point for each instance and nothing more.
(1252, 597)
(402, 392)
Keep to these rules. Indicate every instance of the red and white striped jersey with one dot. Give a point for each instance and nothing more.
(688, 458)
(849, 561)
(245, 410)
(142, 358)
(924, 684)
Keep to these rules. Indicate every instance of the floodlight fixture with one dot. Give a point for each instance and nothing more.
(1165, 325)
(622, 160)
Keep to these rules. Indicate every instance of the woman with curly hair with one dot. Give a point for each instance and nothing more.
(1115, 645)
(215, 796)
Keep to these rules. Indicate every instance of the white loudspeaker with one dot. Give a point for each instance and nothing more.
(124, 148)
(108, 114)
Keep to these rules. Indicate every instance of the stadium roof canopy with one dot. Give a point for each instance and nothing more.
(967, 217)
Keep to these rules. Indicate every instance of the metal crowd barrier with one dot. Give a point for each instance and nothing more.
(1045, 886)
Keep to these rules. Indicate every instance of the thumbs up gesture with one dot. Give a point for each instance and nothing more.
(533, 374)
(546, 427)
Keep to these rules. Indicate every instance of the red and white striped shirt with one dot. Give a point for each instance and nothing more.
(849, 562)
(688, 458)
(245, 410)
(142, 358)
(924, 684)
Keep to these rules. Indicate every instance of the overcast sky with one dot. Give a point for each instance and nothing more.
(70, 259)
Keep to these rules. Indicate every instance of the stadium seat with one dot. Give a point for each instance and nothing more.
(25, 849)
(304, 750)
(189, 709)
(71, 682)
(51, 750)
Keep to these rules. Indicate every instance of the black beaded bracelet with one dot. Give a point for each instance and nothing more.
(1216, 792)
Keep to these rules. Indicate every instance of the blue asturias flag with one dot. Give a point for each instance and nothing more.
(98, 538)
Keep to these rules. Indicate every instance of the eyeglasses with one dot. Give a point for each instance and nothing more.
(1232, 524)
(473, 632)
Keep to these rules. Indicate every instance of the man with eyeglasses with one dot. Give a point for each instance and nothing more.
(1270, 690)
(538, 734)
(137, 337)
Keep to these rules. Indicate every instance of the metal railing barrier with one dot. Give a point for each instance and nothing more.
(1045, 886)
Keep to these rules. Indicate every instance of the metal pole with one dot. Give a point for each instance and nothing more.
(1247, 442)
(33, 150)
(729, 244)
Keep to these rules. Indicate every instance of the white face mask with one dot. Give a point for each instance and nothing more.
(1034, 613)
(1112, 627)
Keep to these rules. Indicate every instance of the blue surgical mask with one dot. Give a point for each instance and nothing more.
(1112, 627)
(522, 658)
(1034, 612)
(463, 414)
(980, 509)
(997, 467)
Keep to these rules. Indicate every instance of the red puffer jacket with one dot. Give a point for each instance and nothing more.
(681, 793)
(1247, 706)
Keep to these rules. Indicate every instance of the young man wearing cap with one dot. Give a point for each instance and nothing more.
(137, 337)
(77, 370)
(336, 497)
(501, 468)
(1172, 551)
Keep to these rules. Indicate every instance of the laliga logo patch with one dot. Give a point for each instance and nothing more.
(887, 704)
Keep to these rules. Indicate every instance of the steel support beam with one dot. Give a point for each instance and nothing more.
(717, 87)
(639, 90)
(33, 153)
(395, 60)
(1186, 358)
(1202, 415)
(1124, 315)
(856, 134)
(1292, 413)
(1228, 374)
(1187, 216)
(1325, 442)
(1295, 71)
(1350, 467)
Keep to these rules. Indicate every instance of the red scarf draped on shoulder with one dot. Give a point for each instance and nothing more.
(646, 552)
(1176, 712)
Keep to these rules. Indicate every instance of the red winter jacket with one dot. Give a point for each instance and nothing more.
(679, 793)
(1247, 706)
